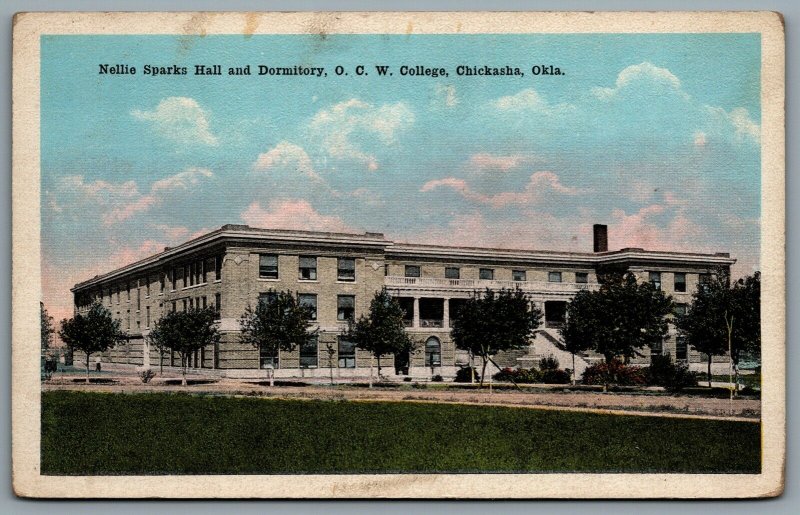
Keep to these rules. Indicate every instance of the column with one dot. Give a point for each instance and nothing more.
(416, 312)
(446, 313)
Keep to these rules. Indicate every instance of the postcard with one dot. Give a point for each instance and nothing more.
(398, 255)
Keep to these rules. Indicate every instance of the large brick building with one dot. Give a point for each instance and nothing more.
(337, 275)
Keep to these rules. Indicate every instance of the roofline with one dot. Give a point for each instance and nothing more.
(243, 233)
(378, 241)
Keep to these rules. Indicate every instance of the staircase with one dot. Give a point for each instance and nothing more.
(547, 343)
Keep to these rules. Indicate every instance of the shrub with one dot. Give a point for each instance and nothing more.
(519, 375)
(615, 372)
(673, 376)
(146, 375)
(548, 363)
(464, 375)
(406, 379)
(556, 376)
(437, 378)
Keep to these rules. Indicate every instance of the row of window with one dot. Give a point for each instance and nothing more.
(345, 304)
(487, 274)
(346, 354)
(307, 269)
(679, 284)
(681, 349)
(200, 302)
(189, 274)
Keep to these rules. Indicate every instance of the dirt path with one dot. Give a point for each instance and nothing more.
(682, 406)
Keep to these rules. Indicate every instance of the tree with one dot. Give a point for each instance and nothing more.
(578, 327)
(620, 318)
(47, 329)
(704, 325)
(494, 321)
(94, 332)
(278, 322)
(185, 332)
(725, 317)
(382, 332)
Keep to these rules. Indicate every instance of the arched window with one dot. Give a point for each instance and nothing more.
(433, 352)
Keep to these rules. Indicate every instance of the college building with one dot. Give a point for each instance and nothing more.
(337, 275)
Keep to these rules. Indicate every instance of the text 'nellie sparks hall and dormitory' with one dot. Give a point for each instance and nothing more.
(337, 275)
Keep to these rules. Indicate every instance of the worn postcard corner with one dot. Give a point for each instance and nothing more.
(398, 255)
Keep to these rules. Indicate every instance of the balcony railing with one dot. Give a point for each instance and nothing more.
(431, 322)
(481, 284)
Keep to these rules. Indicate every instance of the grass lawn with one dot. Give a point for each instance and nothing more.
(101, 434)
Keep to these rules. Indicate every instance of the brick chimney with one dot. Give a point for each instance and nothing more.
(600, 238)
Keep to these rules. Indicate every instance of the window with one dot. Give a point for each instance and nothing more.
(519, 275)
(185, 303)
(128, 323)
(386, 269)
(266, 357)
(218, 268)
(412, 271)
(657, 348)
(147, 319)
(433, 352)
(346, 269)
(680, 309)
(117, 290)
(174, 306)
(486, 274)
(208, 267)
(452, 272)
(308, 268)
(554, 277)
(655, 280)
(147, 286)
(681, 351)
(191, 303)
(173, 278)
(184, 276)
(204, 302)
(191, 270)
(218, 304)
(581, 277)
(308, 300)
(267, 298)
(347, 354)
(680, 282)
(128, 290)
(345, 307)
(138, 299)
(162, 281)
(268, 266)
(308, 353)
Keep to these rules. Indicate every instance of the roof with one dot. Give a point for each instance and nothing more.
(245, 233)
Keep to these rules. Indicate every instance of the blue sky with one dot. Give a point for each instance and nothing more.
(657, 136)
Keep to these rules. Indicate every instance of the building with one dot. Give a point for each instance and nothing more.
(337, 274)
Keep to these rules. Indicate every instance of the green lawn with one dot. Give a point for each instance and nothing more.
(100, 434)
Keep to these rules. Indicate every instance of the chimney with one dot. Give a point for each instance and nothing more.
(600, 238)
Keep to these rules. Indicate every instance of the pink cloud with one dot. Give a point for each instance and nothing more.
(291, 214)
(486, 161)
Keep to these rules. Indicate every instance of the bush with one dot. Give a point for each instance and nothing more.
(672, 376)
(556, 376)
(520, 375)
(146, 375)
(464, 375)
(615, 372)
(548, 363)
(437, 378)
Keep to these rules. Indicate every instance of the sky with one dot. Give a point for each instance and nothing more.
(657, 136)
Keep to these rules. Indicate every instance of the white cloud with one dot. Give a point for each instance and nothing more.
(445, 96)
(285, 154)
(179, 119)
(738, 121)
(291, 214)
(158, 191)
(339, 126)
(539, 184)
(641, 73)
(529, 100)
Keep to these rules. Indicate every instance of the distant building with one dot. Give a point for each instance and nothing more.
(337, 274)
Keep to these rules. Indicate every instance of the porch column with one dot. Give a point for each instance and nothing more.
(446, 313)
(416, 312)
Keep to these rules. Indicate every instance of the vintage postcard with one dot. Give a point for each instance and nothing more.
(398, 255)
